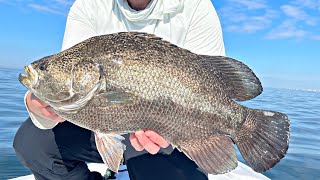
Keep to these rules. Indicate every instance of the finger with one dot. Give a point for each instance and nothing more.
(135, 142)
(48, 113)
(145, 142)
(36, 101)
(58, 119)
(156, 138)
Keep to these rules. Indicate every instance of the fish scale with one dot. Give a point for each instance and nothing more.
(137, 117)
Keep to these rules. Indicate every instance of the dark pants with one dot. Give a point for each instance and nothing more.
(62, 153)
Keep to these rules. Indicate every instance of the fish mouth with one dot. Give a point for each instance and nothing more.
(30, 78)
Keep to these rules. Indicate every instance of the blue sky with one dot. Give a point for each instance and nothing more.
(279, 40)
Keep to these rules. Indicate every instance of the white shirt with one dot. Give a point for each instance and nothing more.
(190, 24)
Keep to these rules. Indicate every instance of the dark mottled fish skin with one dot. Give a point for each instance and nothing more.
(187, 98)
(146, 59)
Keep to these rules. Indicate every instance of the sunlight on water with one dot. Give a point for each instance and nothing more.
(303, 108)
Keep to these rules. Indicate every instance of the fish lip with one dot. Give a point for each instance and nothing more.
(24, 80)
(30, 78)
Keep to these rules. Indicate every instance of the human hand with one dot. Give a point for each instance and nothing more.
(41, 109)
(149, 140)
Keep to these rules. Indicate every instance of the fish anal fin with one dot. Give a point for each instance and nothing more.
(111, 149)
(214, 155)
(240, 82)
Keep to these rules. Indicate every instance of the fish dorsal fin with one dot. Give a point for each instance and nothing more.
(239, 80)
(215, 155)
(142, 36)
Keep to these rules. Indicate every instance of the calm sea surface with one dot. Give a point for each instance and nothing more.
(301, 162)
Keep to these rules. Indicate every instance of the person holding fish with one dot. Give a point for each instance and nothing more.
(53, 148)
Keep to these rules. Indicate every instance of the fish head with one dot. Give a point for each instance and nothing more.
(61, 78)
(49, 79)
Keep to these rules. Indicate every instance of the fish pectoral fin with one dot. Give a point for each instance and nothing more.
(117, 97)
(240, 82)
(215, 155)
(111, 149)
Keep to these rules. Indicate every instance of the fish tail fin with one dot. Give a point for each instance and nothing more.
(263, 139)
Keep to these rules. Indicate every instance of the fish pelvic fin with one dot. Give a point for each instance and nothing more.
(214, 155)
(238, 79)
(111, 149)
(263, 139)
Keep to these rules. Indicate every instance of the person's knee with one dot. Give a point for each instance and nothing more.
(31, 142)
(19, 142)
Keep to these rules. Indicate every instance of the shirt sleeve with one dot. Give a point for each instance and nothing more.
(204, 34)
(80, 26)
(80, 23)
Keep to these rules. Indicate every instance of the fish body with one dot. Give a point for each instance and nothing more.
(124, 82)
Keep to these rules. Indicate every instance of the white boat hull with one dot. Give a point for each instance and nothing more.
(242, 172)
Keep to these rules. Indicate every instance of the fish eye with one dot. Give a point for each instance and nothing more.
(42, 67)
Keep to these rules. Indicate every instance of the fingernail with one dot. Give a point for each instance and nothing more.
(139, 133)
(147, 133)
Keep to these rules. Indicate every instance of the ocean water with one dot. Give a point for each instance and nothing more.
(301, 162)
